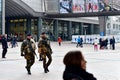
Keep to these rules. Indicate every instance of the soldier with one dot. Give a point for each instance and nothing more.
(28, 51)
(45, 50)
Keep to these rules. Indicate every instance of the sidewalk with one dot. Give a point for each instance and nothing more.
(104, 64)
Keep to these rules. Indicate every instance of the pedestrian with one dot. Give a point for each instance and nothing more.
(4, 45)
(78, 41)
(106, 43)
(100, 42)
(14, 41)
(28, 51)
(81, 42)
(113, 43)
(45, 51)
(59, 41)
(75, 67)
(96, 44)
(110, 43)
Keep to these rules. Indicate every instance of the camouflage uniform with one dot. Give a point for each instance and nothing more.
(28, 51)
(45, 50)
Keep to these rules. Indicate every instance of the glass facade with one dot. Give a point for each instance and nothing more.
(47, 26)
(0, 16)
(19, 28)
(75, 28)
(64, 28)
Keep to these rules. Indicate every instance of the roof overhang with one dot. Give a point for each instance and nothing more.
(17, 8)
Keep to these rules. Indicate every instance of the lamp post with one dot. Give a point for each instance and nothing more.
(85, 26)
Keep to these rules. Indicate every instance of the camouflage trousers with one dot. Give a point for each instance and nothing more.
(30, 61)
(46, 62)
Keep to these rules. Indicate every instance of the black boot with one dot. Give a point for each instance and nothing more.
(47, 70)
(28, 70)
(40, 59)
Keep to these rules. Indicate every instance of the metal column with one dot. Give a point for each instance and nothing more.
(55, 29)
(102, 23)
(39, 28)
(28, 26)
(92, 29)
(3, 16)
(69, 30)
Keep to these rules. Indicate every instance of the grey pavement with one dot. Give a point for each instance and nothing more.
(104, 64)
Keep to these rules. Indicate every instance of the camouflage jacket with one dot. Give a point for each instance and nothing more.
(44, 46)
(27, 47)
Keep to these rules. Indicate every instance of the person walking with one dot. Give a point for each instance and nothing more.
(81, 42)
(78, 41)
(4, 45)
(110, 43)
(106, 43)
(45, 51)
(59, 41)
(75, 67)
(113, 43)
(96, 44)
(14, 41)
(28, 51)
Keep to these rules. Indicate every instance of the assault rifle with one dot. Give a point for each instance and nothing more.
(30, 46)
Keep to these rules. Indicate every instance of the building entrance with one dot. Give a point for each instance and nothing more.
(20, 27)
(63, 30)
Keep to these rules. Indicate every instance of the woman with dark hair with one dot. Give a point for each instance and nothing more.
(75, 67)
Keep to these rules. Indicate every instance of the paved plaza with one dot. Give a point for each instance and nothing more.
(104, 64)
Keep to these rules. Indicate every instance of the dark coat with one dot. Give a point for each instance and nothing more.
(113, 41)
(4, 43)
(76, 73)
(110, 41)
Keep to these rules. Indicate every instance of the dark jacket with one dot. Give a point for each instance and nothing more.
(113, 40)
(76, 73)
(4, 43)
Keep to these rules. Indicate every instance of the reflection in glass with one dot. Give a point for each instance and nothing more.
(78, 6)
(105, 5)
(65, 6)
(91, 5)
